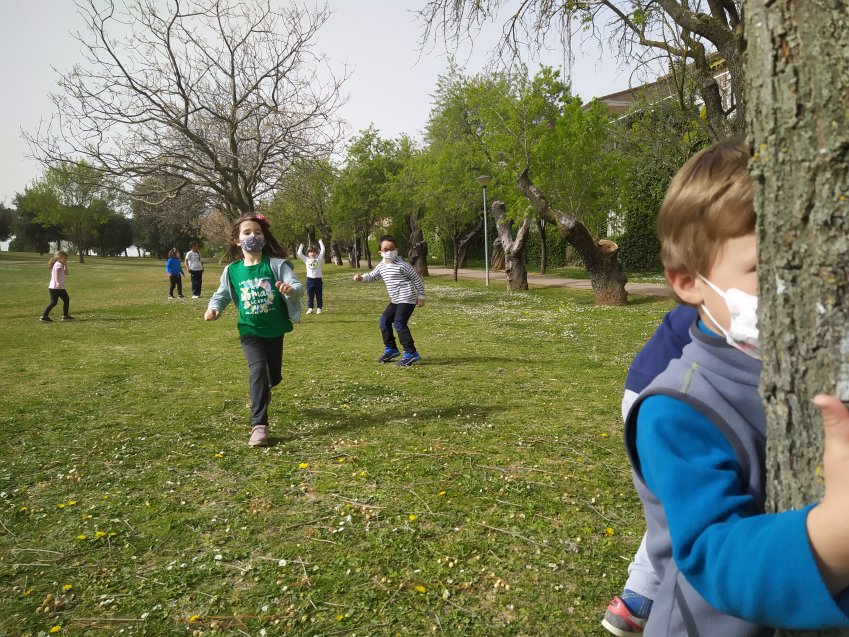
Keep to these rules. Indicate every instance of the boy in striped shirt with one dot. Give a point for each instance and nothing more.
(406, 293)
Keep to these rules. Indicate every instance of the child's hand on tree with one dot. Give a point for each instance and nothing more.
(828, 526)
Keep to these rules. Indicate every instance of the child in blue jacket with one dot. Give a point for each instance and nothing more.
(696, 439)
(175, 273)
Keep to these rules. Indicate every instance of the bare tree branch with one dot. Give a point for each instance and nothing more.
(221, 95)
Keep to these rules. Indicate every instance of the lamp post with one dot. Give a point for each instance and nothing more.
(483, 181)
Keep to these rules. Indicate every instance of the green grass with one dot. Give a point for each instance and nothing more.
(482, 492)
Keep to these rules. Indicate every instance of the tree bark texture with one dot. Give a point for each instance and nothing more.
(798, 89)
(606, 275)
(514, 248)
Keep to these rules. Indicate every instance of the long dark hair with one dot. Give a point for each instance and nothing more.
(272, 247)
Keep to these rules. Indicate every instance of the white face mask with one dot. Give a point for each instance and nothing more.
(743, 311)
(389, 255)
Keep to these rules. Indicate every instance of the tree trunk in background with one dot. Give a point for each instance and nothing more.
(798, 88)
(606, 275)
(462, 245)
(418, 247)
(496, 257)
(543, 246)
(514, 249)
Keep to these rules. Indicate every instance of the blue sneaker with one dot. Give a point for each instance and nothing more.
(389, 354)
(409, 359)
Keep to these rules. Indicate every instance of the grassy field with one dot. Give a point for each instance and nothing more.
(482, 492)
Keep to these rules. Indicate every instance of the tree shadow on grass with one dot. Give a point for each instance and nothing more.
(355, 421)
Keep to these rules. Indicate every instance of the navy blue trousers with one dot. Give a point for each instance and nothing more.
(396, 315)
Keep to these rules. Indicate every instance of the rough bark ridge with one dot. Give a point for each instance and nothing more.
(606, 275)
(514, 249)
(798, 87)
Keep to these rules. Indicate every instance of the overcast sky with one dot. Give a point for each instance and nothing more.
(390, 85)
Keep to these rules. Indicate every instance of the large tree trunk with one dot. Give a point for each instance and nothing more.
(514, 249)
(606, 275)
(798, 87)
(418, 247)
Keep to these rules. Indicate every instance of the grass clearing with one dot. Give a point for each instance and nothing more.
(482, 492)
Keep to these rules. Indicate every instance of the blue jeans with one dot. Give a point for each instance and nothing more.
(397, 315)
(314, 289)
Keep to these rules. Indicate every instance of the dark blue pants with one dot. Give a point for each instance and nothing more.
(265, 369)
(314, 288)
(197, 279)
(396, 315)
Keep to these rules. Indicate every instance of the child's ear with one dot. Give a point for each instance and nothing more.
(686, 286)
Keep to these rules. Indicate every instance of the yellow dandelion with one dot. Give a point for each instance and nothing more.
(341, 460)
(340, 617)
(303, 465)
(61, 506)
(411, 517)
(219, 455)
(82, 536)
(420, 588)
(609, 530)
(441, 493)
(604, 435)
(194, 618)
(112, 534)
(56, 629)
(72, 503)
(363, 474)
(29, 591)
(23, 509)
(99, 534)
(67, 587)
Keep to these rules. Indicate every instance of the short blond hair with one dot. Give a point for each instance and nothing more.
(708, 202)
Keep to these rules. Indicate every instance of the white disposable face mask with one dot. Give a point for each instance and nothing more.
(742, 333)
(389, 255)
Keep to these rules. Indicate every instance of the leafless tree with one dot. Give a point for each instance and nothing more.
(692, 37)
(221, 95)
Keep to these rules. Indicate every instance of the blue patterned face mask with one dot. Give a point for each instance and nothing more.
(254, 243)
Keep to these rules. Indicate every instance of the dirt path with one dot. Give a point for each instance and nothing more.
(646, 289)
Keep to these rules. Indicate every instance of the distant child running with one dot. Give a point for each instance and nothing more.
(314, 283)
(175, 273)
(406, 293)
(58, 265)
(194, 264)
(262, 284)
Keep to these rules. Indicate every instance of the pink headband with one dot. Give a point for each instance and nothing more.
(261, 217)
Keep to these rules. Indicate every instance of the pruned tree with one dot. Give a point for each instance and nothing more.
(599, 257)
(692, 37)
(513, 248)
(217, 95)
(528, 124)
(798, 87)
